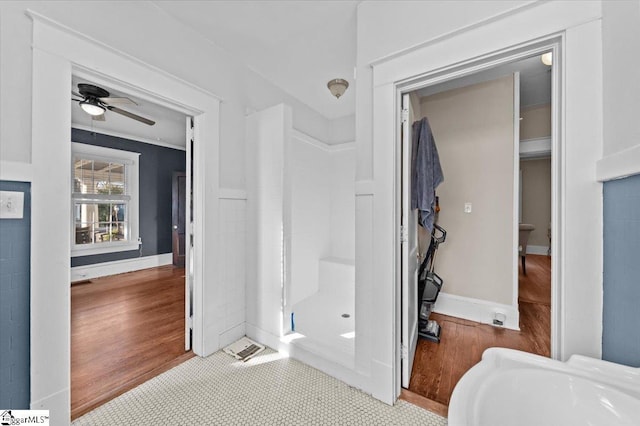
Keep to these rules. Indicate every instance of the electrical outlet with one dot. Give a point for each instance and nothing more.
(467, 207)
(11, 204)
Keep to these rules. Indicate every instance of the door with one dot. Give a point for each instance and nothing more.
(409, 250)
(188, 240)
(178, 212)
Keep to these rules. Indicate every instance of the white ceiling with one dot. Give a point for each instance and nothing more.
(297, 45)
(169, 129)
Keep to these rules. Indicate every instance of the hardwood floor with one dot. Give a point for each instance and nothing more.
(438, 367)
(125, 329)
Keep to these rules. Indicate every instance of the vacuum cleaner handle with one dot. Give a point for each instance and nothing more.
(443, 234)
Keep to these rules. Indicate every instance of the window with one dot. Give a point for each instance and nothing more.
(104, 196)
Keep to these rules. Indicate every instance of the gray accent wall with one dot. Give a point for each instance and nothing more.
(621, 299)
(15, 261)
(157, 164)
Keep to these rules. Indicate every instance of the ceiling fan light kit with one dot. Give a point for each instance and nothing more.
(337, 86)
(95, 102)
(91, 107)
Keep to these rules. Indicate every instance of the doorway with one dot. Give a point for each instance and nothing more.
(57, 54)
(130, 310)
(476, 121)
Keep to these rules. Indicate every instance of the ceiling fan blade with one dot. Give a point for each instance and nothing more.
(76, 94)
(120, 100)
(98, 117)
(77, 100)
(131, 115)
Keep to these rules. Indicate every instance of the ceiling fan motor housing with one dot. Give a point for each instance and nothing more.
(91, 91)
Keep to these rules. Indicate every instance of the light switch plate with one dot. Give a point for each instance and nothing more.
(467, 207)
(11, 204)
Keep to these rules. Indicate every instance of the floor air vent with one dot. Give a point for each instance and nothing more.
(244, 349)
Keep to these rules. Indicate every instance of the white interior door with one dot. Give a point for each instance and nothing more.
(409, 252)
(188, 261)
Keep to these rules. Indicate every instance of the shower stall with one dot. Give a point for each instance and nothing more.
(319, 233)
(301, 233)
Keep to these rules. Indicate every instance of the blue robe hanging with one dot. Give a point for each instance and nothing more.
(426, 173)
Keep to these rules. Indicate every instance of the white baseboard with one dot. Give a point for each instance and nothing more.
(544, 250)
(58, 405)
(476, 310)
(98, 270)
(232, 335)
(261, 336)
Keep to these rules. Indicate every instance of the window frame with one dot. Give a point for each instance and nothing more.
(131, 161)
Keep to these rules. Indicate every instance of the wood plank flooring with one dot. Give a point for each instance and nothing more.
(125, 329)
(438, 367)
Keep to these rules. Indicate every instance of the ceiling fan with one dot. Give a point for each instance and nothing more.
(95, 101)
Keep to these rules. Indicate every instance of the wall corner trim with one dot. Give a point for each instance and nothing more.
(619, 165)
(16, 171)
(303, 137)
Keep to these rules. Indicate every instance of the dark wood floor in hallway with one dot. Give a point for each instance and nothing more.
(438, 367)
(125, 329)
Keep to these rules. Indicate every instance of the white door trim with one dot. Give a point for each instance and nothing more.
(577, 141)
(516, 193)
(59, 52)
(489, 61)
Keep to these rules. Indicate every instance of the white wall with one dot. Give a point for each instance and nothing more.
(386, 28)
(166, 44)
(232, 242)
(342, 179)
(320, 209)
(447, 37)
(268, 133)
(309, 166)
(342, 130)
(621, 42)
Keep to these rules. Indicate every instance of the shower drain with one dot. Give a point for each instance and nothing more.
(345, 315)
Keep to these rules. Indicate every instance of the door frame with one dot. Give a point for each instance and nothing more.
(58, 53)
(552, 43)
(407, 220)
(401, 194)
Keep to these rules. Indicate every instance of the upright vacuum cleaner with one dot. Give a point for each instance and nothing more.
(429, 286)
